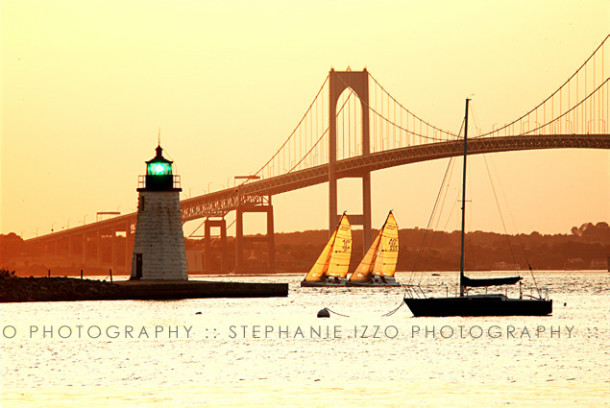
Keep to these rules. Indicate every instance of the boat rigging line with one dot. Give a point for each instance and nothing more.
(519, 240)
(432, 215)
(391, 312)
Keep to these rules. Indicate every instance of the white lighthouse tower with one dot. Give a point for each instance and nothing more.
(158, 251)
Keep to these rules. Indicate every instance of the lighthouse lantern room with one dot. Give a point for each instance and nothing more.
(158, 251)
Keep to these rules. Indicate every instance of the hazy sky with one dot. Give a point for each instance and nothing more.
(87, 84)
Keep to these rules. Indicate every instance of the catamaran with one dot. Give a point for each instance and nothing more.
(476, 305)
(378, 266)
(330, 270)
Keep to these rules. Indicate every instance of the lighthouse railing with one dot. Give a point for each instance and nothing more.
(176, 181)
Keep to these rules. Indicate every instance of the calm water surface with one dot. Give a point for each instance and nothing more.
(267, 352)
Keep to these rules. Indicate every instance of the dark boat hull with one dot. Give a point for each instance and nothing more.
(327, 283)
(479, 305)
(376, 282)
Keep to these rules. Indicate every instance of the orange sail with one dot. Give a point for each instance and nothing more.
(382, 256)
(331, 260)
(365, 268)
(388, 249)
(342, 250)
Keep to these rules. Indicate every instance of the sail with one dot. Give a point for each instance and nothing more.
(387, 259)
(341, 250)
(382, 256)
(319, 269)
(365, 268)
(476, 283)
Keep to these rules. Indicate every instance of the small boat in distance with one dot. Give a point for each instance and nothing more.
(378, 266)
(475, 305)
(330, 270)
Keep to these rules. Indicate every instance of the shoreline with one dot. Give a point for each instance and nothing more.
(122, 277)
(44, 289)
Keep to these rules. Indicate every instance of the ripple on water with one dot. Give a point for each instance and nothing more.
(215, 369)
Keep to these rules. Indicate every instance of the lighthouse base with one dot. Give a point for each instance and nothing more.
(158, 251)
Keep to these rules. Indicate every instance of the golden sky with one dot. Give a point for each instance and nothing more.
(85, 86)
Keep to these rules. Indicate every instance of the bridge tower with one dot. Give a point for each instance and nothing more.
(358, 81)
(158, 250)
(210, 223)
(254, 204)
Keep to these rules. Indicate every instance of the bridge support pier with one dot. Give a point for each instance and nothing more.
(366, 211)
(98, 249)
(357, 81)
(70, 251)
(84, 249)
(113, 252)
(240, 240)
(222, 224)
(129, 240)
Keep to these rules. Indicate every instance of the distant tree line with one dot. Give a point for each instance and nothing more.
(585, 247)
(426, 250)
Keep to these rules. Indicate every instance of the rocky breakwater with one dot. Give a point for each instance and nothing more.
(17, 289)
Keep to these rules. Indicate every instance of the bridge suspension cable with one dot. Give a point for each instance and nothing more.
(285, 157)
(584, 96)
(392, 126)
(402, 123)
(321, 138)
(578, 106)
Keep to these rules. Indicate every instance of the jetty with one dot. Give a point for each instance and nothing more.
(16, 289)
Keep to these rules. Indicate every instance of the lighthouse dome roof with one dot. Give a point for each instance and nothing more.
(159, 157)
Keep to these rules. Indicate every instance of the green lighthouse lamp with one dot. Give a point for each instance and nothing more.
(159, 175)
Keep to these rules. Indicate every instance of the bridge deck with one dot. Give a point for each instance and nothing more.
(221, 202)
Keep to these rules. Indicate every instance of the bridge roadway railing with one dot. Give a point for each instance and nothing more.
(227, 200)
(125, 223)
(254, 193)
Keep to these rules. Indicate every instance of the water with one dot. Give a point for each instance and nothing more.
(285, 355)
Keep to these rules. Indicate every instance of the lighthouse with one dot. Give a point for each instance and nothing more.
(158, 251)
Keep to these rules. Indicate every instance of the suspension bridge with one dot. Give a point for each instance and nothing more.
(353, 127)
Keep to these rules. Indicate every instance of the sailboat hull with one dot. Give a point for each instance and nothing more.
(326, 283)
(375, 282)
(479, 305)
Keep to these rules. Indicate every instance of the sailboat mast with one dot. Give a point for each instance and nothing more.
(464, 199)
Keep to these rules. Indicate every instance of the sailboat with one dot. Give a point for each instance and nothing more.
(379, 264)
(330, 270)
(476, 305)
